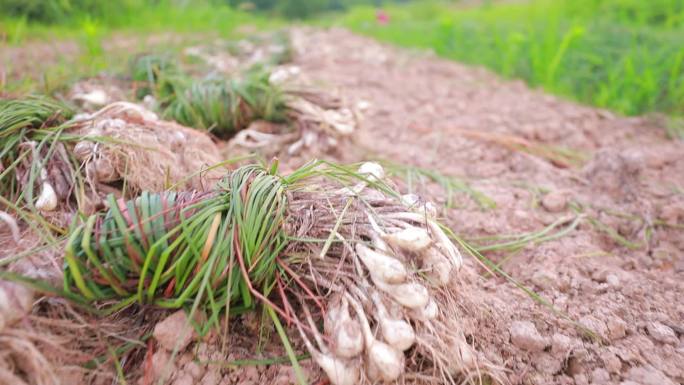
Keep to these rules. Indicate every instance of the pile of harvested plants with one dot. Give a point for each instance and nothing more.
(227, 107)
(125, 143)
(56, 162)
(323, 246)
(35, 168)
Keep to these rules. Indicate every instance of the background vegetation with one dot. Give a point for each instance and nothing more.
(625, 55)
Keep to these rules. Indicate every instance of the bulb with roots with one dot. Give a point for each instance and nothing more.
(340, 371)
(396, 332)
(437, 266)
(384, 267)
(411, 294)
(385, 363)
(347, 339)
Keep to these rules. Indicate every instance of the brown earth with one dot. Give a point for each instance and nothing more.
(615, 280)
(423, 111)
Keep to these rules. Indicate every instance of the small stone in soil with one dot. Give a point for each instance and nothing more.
(611, 362)
(174, 331)
(525, 336)
(554, 201)
(662, 333)
(600, 376)
(561, 344)
(616, 328)
(161, 365)
(612, 280)
(594, 324)
(547, 363)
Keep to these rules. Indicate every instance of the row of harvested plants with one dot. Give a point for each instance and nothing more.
(52, 156)
(374, 269)
(152, 218)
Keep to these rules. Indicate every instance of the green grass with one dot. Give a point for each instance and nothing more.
(106, 38)
(625, 55)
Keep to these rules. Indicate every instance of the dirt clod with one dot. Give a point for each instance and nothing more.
(174, 332)
(162, 365)
(662, 333)
(648, 375)
(525, 336)
(616, 328)
(555, 201)
(600, 376)
(595, 325)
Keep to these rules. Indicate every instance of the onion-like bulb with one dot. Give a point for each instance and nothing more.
(413, 202)
(47, 200)
(430, 311)
(464, 359)
(84, 150)
(347, 337)
(410, 295)
(378, 243)
(372, 171)
(437, 265)
(105, 171)
(389, 361)
(442, 241)
(410, 238)
(338, 370)
(384, 267)
(396, 332)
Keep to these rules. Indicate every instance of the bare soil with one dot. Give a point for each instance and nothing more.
(423, 111)
(615, 281)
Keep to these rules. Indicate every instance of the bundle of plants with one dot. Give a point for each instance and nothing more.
(126, 147)
(147, 70)
(228, 107)
(313, 120)
(219, 105)
(35, 167)
(364, 274)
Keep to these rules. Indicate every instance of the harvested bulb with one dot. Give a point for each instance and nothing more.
(338, 370)
(47, 200)
(430, 311)
(437, 266)
(347, 337)
(84, 150)
(373, 171)
(382, 266)
(410, 295)
(442, 240)
(396, 332)
(410, 238)
(387, 363)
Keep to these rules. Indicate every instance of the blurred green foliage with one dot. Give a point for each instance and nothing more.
(56, 11)
(626, 55)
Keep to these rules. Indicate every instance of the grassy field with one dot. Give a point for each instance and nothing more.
(98, 34)
(626, 55)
